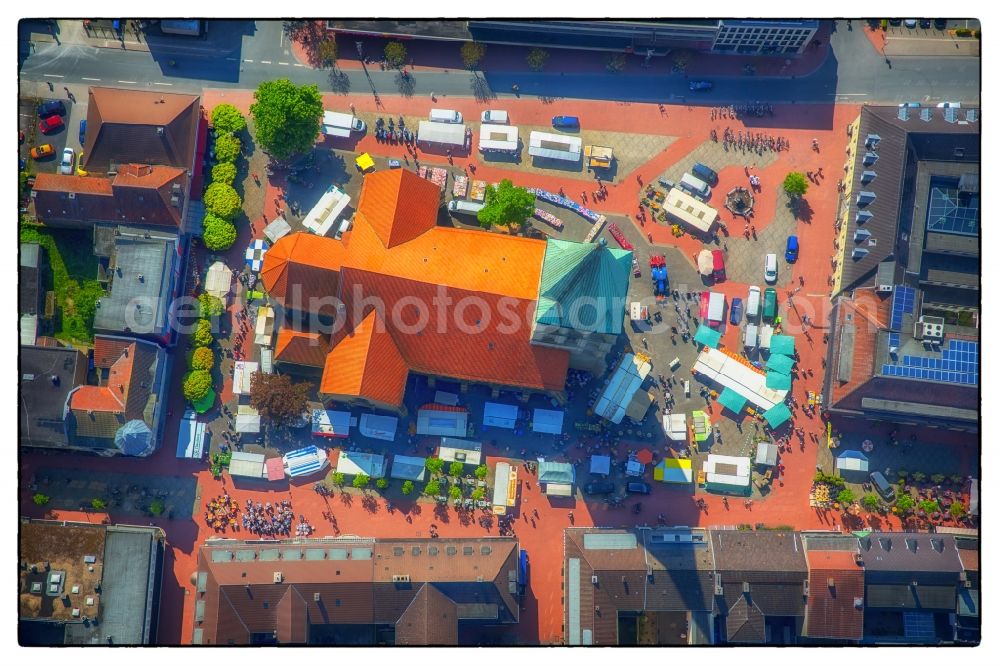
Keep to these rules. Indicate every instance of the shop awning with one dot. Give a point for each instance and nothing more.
(556, 472)
(465, 451)
(559, 489)
(548, 421)
(707, 336)
(408, 468)
(600, 465)
(247, 419)
(190, 437)
(783, 344)
(499, 415)
(442, 423)
(767, 454)
(727, 471)
(275, 468)
(778, 380)
(853, 461)
(777, 415)
(448, 134)
(304, 461)
(329, 423)
(780, 362)
(674, 470)
(242, 373)
(379, 427)
(247, 465)
(357, 462)
(675, 426)
(732, 400)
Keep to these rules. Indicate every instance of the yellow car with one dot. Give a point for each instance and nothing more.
(79, 165)
(44, 150)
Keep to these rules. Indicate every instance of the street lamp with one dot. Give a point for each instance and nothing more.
(361, 48)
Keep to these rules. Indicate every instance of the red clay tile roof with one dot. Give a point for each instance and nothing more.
(113, 396)
(399, 205)
(303, 266)
(869, 313)
(366, 363)
(430, 619)
(301, 347)
(830, 610)
(53, 182)
(108, 350)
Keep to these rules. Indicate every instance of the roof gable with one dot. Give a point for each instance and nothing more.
(574, 274)
(399, 205)
(366, 363)
(301, 347)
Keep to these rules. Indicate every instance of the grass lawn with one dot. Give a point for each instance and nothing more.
(74, 279)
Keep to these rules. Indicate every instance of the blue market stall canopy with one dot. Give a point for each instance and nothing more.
(547, 421)
(707, 336)
(499, 415)
(783, 344)
(778, 380)
(302, 462)
(600, 465)
(732, 400)
(255, 254)
(852, 461)
(780, 363)
(777, 415)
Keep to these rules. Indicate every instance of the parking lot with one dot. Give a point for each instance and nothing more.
(66, 136)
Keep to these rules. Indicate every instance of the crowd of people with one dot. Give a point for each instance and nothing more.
(221, 513)
(266, 519)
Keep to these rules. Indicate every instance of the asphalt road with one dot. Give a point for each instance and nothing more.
(243, 54)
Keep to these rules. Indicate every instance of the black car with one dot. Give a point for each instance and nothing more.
(925, 24)
(940, 24)
(51, 108)
(599, 488)
(638, 487)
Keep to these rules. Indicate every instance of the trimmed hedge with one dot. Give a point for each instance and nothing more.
(222, 200)
(227, 118)
(197, 385)
(203, 358)
(227, 148)
(224, 172)
(218, 234)
(203, 334)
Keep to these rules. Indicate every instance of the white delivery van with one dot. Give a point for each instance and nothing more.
(467, 207)
(753, 303)
(716, 307)
(344, 227)
(695, 186)
(341, 124)
(495, 117)
(445, 116)
(750, 336)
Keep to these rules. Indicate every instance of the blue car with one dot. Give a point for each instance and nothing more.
(700, 86)
(52, 107)
(736, 311)
(792, 249)
(83, 132)
(566, 122)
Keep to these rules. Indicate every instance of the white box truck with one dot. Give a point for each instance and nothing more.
(341, 124)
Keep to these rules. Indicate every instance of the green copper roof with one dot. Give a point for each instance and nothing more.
(584, 286)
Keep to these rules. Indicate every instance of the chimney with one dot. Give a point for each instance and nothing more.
(830, 582)
(316, 597)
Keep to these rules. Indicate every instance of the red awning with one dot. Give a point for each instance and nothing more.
(275, 469)
(199, 158)
(644, 456)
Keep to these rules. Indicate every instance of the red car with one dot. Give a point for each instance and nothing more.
(50, 124)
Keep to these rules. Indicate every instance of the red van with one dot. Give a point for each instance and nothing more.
(718, 265)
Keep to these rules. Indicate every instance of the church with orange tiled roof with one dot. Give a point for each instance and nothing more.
(400, 294)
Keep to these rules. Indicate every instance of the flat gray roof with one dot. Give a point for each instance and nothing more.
(128, 586)
(921, 408)
(139, 304)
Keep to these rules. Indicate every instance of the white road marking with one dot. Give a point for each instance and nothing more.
(283, 63)
(126, 82)
(245, 60)
(298, 64)
(233, 59)
(157, 83)
(85, 78)
(852, 94)
(265, 62)
(54, 76)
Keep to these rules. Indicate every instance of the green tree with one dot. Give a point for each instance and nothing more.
(224, 172)
(433, 489)
(338, 479)
(795, 184)
(156, 507)
(197, 384)
(845, 496)
(203, 333)
(395, 54)
(209, 306)
(482, 472)
(218, 234)
(472, 54)
(930, 506)
(434, 465)
(382, 484)
(870, 501)
(222, 200)
(919, 477)
(326, 51)
(455, 492)
(456, 468)
(938, 479)
(40, 500)
(98, 504)
(506, 205)
(361, 481)
(537, 59)
(478, 494)
(227, 118)
(277, 398)
(227, 148)
(407, 487)
(957, 511)
(203, 358)
(286, 117)
(905, 503)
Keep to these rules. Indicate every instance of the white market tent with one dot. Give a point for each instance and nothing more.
(498, 137)
(555, 146)
(356, 462)
(191, 437)
(727, 470)
(263, 332)
(548, 421)
(242, 372)
(465, 451)
(625, 381)
(450, 134)
(277, 230)
(446, 398)
(329, 423)
(675, 426)
(441, 423)
(247, 419)
(852, 461)
(408, 468)
(600, 465)
(499, 415)
(266, 361)
(304, 461)
(219, 280)
(504, 488)
(686, 209)
(767, 454)
(379, 427)
(326, 211)
(248, 465)
(744, 380)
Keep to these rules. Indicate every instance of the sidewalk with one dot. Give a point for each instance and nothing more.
(898, 41)
(73, 32)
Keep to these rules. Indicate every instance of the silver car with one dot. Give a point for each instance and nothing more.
(67, 162)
